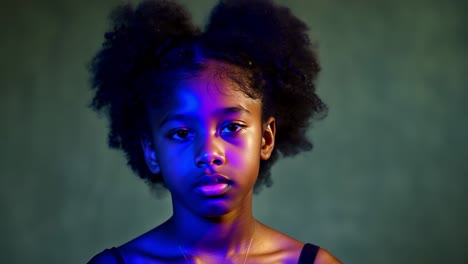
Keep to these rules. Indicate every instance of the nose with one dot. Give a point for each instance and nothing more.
(210, 153)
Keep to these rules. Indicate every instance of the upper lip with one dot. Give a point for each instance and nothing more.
(211, 179)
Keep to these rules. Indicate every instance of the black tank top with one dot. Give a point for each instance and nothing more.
(308, 254)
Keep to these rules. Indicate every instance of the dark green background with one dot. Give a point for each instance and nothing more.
(385, 184)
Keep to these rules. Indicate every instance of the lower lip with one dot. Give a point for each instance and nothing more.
(213, 190)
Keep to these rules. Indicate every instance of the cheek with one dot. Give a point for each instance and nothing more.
(174, 162)
(245, 155)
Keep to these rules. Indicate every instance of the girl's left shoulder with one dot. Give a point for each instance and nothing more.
(289, 249)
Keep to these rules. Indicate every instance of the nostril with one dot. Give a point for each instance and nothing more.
(207, 160)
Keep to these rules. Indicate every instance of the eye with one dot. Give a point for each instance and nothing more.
(232, 128)
(180, 134)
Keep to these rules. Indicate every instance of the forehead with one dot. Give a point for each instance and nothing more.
(208, 79)
(206, 93)
(209, 91)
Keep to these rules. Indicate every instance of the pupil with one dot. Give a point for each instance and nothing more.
(182, 133)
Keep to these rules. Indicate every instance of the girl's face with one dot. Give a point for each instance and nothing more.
(207, 142)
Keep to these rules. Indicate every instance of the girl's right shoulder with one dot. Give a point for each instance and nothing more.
(105, 257)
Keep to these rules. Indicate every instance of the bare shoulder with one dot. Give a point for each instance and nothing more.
(105, 257)
(277, 247)
(154, 246)
(275, 238)
(325, 257)
(135, 249)
(150, 242)
(288, 249)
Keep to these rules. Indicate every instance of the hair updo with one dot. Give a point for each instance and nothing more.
(266, 41)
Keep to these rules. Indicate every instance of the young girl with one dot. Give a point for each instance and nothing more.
(206, 114)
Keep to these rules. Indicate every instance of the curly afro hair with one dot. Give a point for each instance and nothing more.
(265, 40)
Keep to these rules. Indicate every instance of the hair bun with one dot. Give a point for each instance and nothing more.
(263, 29)
(136, 33)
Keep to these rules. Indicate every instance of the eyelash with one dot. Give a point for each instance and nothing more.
(238, 127)
(173, 134)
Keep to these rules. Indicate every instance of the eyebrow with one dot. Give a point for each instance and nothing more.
(223, 111)
(234, 110)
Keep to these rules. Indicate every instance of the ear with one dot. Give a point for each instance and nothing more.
(150, 154)
(268, 138)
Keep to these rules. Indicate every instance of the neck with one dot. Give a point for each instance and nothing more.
(225, 235)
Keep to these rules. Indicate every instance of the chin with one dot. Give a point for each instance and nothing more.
(215, 210)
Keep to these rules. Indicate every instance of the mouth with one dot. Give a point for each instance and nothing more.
(213, 185)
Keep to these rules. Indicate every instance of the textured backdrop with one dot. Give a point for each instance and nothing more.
(385, 183)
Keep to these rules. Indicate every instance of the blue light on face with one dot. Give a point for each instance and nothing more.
(207, 137)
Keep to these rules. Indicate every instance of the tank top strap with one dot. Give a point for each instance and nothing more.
(308, 254)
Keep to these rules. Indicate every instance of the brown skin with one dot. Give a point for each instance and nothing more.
(196, 132)
(268, 246)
